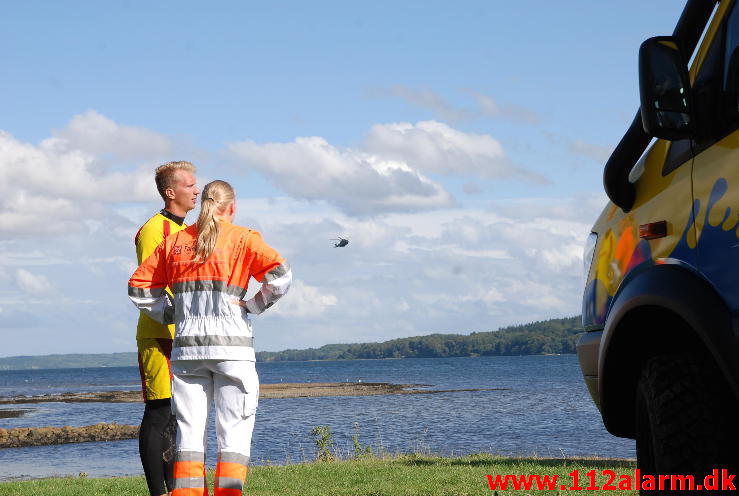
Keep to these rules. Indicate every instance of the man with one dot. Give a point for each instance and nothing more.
(176, 184)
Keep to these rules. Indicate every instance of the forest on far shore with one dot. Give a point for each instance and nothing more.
(555, 336)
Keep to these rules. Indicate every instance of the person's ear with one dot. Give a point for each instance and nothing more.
(169, 193)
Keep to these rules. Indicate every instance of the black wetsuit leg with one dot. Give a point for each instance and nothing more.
(152, 445)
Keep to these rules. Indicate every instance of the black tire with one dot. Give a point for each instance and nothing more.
(685, 418)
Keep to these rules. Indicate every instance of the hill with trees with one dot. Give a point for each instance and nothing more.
(553, 336)
(69, 361)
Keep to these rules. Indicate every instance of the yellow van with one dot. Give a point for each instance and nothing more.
(661, 302)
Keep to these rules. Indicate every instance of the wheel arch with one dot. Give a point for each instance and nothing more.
(661, 309)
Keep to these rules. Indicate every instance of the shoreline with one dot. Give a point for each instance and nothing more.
(35, 368)
(266, 391)
(43, 436)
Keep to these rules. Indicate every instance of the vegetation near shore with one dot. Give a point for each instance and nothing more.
(406, 475)
(538, 338)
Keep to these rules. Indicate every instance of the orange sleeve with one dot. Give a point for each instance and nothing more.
(264, 257)
(152, 273)
(269, 268)
(146, 287)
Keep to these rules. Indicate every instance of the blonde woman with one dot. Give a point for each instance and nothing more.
(208, 267)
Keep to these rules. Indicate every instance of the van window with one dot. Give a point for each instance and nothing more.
(731, 71)
(680, 152)
(707, 91)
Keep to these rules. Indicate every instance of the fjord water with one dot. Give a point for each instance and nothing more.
(541, 407)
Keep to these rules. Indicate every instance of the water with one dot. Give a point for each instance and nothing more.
(544, 410)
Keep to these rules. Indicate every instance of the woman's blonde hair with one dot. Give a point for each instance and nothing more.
(215, 199)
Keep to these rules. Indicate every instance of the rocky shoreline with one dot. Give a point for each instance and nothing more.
(14, 413)
(42, 436)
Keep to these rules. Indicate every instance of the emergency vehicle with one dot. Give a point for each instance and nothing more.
(661, 302)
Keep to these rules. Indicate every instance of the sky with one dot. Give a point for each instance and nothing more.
(459, 146)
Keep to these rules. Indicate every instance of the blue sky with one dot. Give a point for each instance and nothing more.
(459, 145)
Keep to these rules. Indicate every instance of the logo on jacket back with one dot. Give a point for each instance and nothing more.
(177, 249)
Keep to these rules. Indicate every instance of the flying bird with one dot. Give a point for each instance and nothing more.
(340, 242)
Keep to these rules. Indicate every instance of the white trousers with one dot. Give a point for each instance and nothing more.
(233, 385)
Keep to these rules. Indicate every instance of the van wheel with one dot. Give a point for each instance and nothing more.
(685, 413)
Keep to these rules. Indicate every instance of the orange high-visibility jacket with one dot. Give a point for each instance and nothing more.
(208, 324)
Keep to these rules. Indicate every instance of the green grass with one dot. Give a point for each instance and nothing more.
(406, 475)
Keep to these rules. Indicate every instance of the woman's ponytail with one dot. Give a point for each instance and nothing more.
(216, 197)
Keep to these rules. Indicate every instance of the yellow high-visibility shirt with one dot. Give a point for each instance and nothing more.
(151, 234)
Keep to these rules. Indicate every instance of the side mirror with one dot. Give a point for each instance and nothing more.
(664, 87)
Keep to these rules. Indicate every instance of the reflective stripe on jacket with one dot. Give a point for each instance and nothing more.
(208, 324)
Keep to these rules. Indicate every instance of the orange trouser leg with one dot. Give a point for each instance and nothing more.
(189, 474)
(230, 474)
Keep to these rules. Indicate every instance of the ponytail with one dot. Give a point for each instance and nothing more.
(216, 197)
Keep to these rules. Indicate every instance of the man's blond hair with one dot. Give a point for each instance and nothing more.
(166, 175)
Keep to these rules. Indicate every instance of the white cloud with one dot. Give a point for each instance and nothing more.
(23, 213)
(63, 182)
(390, 173)
(359, 183)
(31, 283)
(434, 147)
(94, 133)
(56, 170)
(303, 301)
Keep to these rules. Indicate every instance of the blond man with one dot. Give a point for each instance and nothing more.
(176, 184)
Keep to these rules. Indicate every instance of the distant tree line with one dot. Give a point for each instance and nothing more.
(69, 361)
(538, 338)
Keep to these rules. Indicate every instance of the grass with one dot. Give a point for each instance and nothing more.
(404, 475)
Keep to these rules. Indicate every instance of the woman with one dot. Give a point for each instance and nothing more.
(207, 267)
